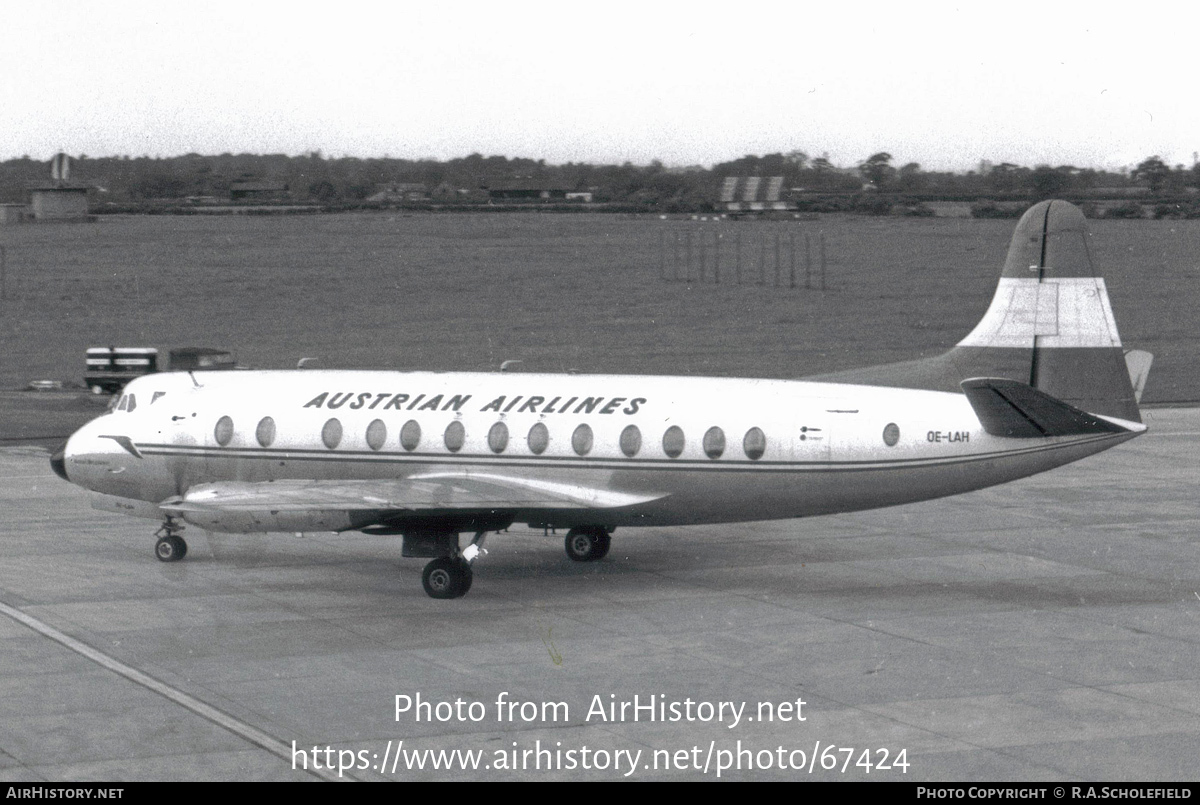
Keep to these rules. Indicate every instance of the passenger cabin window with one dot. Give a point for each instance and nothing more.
(265, 432)
(673, 441)
(714, 442)
(331, 434)
(891, 434)
(454, 436)
(755, 444)
(498, 437)
(581, 440)
(223, 432)
(410, 435)
(631, 440)
(376, 435)
(539, 439)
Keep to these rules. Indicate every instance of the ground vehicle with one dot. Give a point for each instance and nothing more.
(110, 368)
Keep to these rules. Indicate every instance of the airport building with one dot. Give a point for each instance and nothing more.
(13, 213)
(61, 200)
(753, 194)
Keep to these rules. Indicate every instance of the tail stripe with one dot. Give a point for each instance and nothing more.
(1066, 312)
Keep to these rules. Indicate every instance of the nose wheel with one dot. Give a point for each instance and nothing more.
(170, 549)
(170, 546)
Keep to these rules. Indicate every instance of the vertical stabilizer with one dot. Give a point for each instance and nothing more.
(1049, 325)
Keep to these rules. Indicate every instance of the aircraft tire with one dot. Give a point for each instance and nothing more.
(465, 579)
(444, 578)
(603, 543)
(587, 544)
(170, 549)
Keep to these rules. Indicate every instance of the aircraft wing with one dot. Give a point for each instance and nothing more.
(422, 493)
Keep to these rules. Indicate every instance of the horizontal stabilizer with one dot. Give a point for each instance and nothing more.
(1013, 409)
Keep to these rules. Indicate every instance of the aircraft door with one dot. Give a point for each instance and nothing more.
(179, 429)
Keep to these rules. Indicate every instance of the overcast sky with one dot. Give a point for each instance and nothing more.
(941, 84)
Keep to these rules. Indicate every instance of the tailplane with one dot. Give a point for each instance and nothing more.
(1018, 411)
(1050, 326)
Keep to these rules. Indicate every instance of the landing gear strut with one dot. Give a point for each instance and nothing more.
(451, 576)
(170, 546)
(588, 543)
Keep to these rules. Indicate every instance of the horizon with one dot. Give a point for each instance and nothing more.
(75, 159)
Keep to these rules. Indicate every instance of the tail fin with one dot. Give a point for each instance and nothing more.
(1050, 325)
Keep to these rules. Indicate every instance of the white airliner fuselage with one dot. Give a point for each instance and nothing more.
(649, 450)
(1039, 383)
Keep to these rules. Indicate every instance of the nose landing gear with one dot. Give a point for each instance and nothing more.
(170, 546)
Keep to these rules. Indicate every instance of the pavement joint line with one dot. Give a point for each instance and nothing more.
(200, 708)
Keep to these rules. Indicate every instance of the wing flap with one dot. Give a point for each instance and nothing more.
(1017, 410)
(434, 492)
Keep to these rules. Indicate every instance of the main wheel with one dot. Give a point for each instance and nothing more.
(603, 543)
(170, 549)
(587, 544)
(467, 577)
(446, 577)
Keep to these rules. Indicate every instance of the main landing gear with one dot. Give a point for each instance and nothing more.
(170, 546)
(451, 576)
(588, 543)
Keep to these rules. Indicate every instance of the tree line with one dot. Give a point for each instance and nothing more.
(315, 178)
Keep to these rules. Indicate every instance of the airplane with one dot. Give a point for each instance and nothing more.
(1040, 382)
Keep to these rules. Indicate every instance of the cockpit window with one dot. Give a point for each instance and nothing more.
(121, 406)
(132, 402)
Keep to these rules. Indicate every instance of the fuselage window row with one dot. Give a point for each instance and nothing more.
(754, 445)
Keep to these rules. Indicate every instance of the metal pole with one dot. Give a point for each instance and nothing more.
(687, 251)
(737, 259)
(717, 257)
(792, 259)
(662, 254)
(762, 262)
(807, 261)
(3, 274)
(777, 262)
(822, 261)
(675, 256)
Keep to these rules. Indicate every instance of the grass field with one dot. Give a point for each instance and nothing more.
(559, 292)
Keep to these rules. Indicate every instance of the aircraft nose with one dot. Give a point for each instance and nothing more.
(58, 462)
